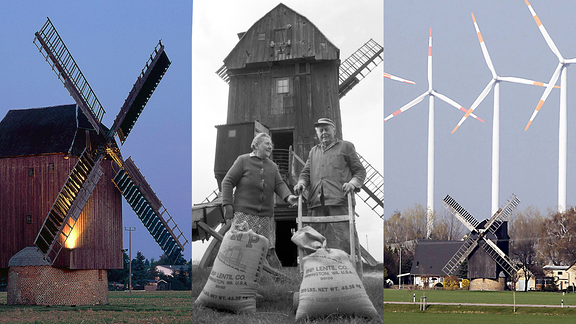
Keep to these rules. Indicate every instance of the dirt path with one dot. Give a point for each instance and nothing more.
(481, 304)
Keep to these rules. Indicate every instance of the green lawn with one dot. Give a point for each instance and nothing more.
(488, 297)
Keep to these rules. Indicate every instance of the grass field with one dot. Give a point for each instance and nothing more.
(410, 313)
(141, 307)
(275, 306)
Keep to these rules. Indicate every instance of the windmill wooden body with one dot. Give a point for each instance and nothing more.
(68, 204)
(486, 247)
(284, 74)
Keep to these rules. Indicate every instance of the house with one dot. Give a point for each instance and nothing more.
(429, 259)
(521, 283)
(563, 276)
(172, 270)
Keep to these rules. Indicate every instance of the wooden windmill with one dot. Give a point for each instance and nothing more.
(283, 75)
(486, 246)
(82, 228)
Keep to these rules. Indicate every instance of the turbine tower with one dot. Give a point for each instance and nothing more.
(563, 124)
(493, 84)
(431, 94)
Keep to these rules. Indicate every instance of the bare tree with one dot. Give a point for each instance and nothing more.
(446, 227)
(559, 243)
(524, 237)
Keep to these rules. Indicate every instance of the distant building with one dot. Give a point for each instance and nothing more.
(429, 259)
(172, 270)
(563, 276)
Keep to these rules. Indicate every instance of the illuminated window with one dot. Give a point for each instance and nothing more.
(282, 85)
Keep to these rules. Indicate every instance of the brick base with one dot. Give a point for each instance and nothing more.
(486, 284)
(51, 286)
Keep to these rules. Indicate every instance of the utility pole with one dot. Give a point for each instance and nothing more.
(130, 230)
(400, 267)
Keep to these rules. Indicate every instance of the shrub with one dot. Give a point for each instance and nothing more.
(465, 284)
(451, 283)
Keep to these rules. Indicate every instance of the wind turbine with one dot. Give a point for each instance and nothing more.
(493, 84)
(563, 124)
(393, 77)
(431, 94)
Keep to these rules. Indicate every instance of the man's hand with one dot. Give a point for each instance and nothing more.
(348, 187)
(228, 212)
(299, 188)
(292, 199)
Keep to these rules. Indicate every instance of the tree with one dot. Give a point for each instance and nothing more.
(560, 239)
(446, 227)
(139, 273)
(524, 239)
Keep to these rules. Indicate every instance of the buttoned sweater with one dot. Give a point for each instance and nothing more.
(256, 180)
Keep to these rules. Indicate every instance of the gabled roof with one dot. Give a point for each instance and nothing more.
(38, 131)
(306, 40)
(431, 256)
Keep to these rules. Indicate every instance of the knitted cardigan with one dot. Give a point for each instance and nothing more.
(256, 180)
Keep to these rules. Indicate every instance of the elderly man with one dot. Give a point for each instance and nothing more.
(332, 170)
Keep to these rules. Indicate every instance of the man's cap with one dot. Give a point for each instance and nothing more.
(324, 121)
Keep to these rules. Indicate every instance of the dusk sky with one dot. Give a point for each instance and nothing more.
(528, 159)
(347, 24)
(111, 41)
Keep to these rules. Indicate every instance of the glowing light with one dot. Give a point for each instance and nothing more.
(73, 236)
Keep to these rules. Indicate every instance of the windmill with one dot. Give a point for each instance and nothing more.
(563, 125)
(59, 223)
(493, 84)
(286, 49)
(399, 79)
(431, 94)
(481, 238)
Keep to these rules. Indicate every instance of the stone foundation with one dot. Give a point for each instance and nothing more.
(51, 286)
(483, 284)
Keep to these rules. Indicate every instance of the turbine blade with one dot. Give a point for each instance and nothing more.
(407, 106)
(430, 61)
(484, 48)
(395, 78)
(545, 94)
(476, 103)
(544, 33)
(525, 81)
(454, 104)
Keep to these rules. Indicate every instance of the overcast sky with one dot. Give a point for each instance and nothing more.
(347, 24)
(528, 159)
(111, 41)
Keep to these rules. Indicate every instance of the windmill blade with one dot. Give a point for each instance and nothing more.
(407, 106)
(57, 55)
(525, 81)
(150, 210)
(500, 257)
(476, 103)
(460, 213)
(70, 202)
(357, 66)
(142, 90)
(395, 78)
(545, 94)
(502, 216)
(454, 104)
(454, 263)
(544, 33)
(484, 49)
(430, 61)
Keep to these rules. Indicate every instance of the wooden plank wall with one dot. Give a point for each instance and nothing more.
(100, 245)
(306, 41)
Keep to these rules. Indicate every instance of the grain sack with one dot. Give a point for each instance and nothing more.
(331, 286)
(233, 281)
(308, 239)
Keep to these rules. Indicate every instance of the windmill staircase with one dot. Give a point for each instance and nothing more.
(150, 210)
(68, 206)
(52, 47)
(359, 65)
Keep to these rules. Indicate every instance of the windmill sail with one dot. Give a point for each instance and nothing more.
(142, 90)
(150, 210)
(496, 221)
(460, 256)
(460, 213)
(358, 65)
(372, 191)
(57, 55)
(68, 205)
(500, 257)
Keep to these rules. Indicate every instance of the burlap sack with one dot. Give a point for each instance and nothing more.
(233, 281)
(331, 286)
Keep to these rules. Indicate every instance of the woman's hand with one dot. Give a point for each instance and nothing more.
(292, 199)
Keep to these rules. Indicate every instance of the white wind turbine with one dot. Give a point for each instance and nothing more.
(563, 124)
(395, 78)
(430, 93)
(494, 83)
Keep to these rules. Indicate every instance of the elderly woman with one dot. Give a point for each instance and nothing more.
(256, 179)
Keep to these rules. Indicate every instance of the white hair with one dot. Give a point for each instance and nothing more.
(258, 139)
